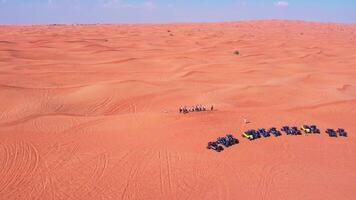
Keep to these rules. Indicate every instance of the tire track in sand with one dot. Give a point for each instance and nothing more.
(20, 162)
(266, 181)
(169, 171)
(269, 173)
(165, 173)
(92, 186)
(134, 171)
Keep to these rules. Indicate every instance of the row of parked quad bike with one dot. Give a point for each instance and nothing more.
(308, 129)
(252, 134)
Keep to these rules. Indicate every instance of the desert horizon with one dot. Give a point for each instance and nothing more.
(176, 22)
(92, 112)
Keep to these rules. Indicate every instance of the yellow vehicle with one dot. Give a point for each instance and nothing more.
(305, 128)
(248, 136)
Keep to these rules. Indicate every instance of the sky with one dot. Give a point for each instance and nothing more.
(165, 11)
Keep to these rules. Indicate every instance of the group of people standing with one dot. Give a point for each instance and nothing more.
(196, 108)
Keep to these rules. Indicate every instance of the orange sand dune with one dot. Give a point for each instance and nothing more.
(90, 112)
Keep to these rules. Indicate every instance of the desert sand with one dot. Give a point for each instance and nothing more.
(91, 111)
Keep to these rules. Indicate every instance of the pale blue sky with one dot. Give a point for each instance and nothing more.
(142, 11)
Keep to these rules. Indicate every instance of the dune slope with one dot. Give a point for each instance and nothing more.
(91, 111)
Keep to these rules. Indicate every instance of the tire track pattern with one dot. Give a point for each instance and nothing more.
(19, 162)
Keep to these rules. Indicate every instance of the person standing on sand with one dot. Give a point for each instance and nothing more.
(212, 108)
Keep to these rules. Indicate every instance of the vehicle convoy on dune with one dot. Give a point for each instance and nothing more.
(253, 134)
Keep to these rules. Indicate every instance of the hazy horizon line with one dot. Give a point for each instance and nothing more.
(176, 22)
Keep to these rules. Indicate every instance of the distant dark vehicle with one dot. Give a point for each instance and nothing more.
(331, 132)
(257, 134)
(314, 129)
(263, 132)
(215, 146)
(232, 139)
(227, 141)
(342, 132)
(274, 132)
(286, 129)
(295, 131)
(223, 141)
